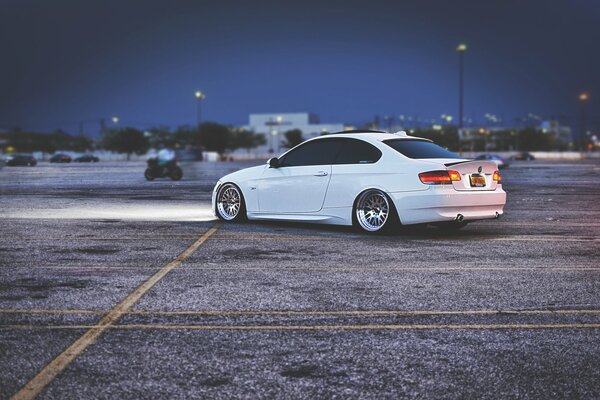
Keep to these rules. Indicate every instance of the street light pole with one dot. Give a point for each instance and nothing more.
(200, 96)
(461, 48)
(583, 98)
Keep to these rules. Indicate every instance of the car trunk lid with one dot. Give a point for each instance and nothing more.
(475, 175)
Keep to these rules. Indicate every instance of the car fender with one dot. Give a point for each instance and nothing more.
(247, 180)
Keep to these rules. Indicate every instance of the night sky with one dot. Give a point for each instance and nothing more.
(68, 61)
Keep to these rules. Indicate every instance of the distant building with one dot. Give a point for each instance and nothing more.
(562, 133)
(483, 138)
(507, 138)
(273, 126)
(3, 140)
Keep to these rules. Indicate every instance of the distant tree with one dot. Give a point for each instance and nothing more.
(187, 136)
(60, 140)
(213, 137)
(81, 143)
(22, 141)
(127, 140)
(531, 139)
(47, 142)
(446, 137)
(292, 138)
(258, 139)
(161, 136)
(243, 139)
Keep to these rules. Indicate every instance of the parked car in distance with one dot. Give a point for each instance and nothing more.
(524, 155)
(87, 158)
(500, 161)
(60, 158)
(21, 160)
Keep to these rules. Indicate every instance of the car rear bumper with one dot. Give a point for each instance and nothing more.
(444, 203)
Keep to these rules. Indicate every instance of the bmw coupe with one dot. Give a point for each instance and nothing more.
(370, 179)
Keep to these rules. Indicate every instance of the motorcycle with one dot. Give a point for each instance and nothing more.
(155, 170)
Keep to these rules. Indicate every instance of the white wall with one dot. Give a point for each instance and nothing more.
(273, 126)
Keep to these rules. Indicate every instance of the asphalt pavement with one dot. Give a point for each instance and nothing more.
(115, 287)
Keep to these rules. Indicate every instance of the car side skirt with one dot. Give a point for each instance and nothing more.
(329, 216)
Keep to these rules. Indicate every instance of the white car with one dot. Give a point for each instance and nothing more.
(370, 179)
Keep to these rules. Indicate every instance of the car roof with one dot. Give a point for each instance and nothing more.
(374, 135)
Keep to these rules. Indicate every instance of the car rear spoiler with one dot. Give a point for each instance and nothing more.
(457, 162)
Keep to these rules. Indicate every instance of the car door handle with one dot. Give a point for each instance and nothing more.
(321, 173)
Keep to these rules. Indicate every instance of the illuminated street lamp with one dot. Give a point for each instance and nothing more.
(115, 120)
(199, 97)
(461, 48)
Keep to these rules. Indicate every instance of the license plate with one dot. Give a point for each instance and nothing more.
(477, 180)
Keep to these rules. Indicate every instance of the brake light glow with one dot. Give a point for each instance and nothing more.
(454, 176)
(439, 177)
(497, 177)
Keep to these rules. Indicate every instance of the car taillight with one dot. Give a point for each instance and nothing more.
(439, 177)
(497, 177)
(454, 176)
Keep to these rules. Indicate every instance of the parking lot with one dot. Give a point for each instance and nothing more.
(113, 286)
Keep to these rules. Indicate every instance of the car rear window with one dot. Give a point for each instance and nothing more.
(419, 149)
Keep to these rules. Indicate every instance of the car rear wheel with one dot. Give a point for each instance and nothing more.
(373, 211)
(230, 203)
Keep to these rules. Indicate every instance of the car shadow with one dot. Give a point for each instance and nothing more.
(420, 231)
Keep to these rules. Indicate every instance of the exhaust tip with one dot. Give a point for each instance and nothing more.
(460, 218)
(498, 215)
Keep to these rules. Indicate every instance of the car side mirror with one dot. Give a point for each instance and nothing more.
(273, 162)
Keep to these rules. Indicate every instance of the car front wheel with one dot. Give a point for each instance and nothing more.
(230, 203)
(373, 211)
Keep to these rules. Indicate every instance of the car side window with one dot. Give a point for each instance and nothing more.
(357, 151)
(317, 152)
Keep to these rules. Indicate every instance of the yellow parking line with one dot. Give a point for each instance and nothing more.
(303, 328)
(182, 236)
(32, 388)
(398, 268)
(67, 238)
(302, 312)
(401, 268)
(50, 311)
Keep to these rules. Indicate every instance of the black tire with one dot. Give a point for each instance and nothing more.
(223, 213)
(176, 174)
(148, 174)
(391, 222)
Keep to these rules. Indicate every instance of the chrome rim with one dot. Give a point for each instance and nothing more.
(372, 210)
(229, 202)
